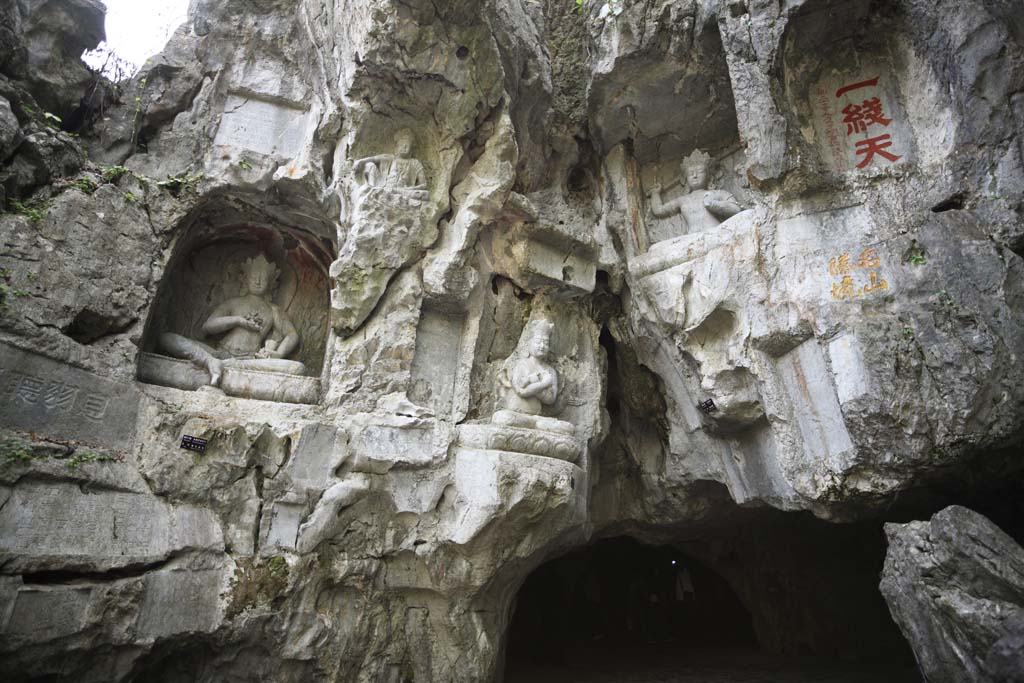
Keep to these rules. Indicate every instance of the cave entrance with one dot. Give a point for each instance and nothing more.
(624, 611)
(620, 602)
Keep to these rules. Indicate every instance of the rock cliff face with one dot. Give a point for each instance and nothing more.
(539, 272)
(956, 587)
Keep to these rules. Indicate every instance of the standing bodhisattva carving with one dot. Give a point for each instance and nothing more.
(701, 208)
(257, 335)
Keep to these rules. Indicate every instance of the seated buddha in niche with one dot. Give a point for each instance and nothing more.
(399, 172)
(530, 382)
(255, 333)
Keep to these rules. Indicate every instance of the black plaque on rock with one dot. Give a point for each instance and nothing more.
(193, 443)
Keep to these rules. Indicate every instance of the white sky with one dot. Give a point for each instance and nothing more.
(139, 29)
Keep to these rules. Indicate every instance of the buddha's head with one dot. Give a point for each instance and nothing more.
(260, 274)
(695, 169)
(540, 341)
(403, 143)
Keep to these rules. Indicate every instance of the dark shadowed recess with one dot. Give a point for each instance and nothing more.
(786, 598)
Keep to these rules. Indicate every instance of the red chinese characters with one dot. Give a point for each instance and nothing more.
(859, 117)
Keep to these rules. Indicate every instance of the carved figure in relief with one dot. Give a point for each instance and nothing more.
(701, 208)
(257, 335)
(398, 172)
(530, 382)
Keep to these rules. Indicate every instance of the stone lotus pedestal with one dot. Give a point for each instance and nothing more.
(264, 386)
(492, 437)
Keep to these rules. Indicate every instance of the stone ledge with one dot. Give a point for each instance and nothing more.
(256, 384)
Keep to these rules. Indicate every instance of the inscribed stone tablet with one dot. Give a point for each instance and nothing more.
(436, 362)
(45, 524)
(49, 613)
(859, 119)
(41, 395)
(284, 526)
(261, 126)
(180, 601)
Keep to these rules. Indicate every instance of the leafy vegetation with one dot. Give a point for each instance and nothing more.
(256, 583)
(84, 184)
(78, 458)
(14, 450)
(176, 184)
(33, 209)
(111, 174)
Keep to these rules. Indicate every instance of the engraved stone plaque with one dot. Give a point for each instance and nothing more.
(436, 362)
(859, 121)
(384, 442)
(260, 126)
(46, 613)
(50, 398)
(284, 526)
(58, 524)
(321, 448)
(180, 601)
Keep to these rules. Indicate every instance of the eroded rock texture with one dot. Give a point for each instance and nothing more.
(956, 587)
(818, 314)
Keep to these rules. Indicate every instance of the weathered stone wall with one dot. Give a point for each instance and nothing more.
(851, 330)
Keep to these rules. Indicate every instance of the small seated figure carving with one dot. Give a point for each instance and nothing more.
(701, 208)
(530, 384)
(257, 335)
(399, 172)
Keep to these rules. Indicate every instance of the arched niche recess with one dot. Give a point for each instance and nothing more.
(211, 266)
(862, 98)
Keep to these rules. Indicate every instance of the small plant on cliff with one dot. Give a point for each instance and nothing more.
(52, 120)
(137, 116)
(80, 457)
(84, 184)
(175, 184)
(111, 174)
(256, 583)
(915, 256)
(33, 209)
(14, 450)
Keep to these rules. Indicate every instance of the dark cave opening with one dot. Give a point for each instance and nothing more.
(750, 604)
(622, 595)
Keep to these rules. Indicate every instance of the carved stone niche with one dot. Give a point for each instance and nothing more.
(537, 252)
(242, 310)
(863, 99)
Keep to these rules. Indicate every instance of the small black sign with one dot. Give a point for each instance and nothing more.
(707, 407)
(193, 443)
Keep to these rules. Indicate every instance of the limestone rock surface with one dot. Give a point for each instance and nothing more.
(431, 178)
(955, 585)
